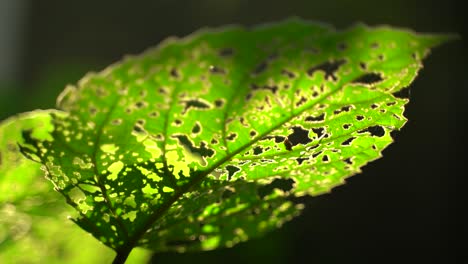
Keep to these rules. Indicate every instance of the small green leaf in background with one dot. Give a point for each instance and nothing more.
(33, 218)
(199, 142)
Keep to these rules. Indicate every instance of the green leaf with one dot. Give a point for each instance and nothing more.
(33, 224)
(199, 142)
(19, 174)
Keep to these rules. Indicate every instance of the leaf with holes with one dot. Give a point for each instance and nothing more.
(198, 143)
(33, 217)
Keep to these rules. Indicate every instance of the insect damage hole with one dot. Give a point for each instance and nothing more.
(232, 170)
(231, 136)
(196, 128)
(253, 133)
(298, 136)
(315, 118)
(375, 131)
(203, 151)
(197, 104)
(329, 67)
(301, 160)
(174, 73)
(368, 78)
(257, 150)
(284, 185)
(348, 141)
(219, 103)
(342, 109)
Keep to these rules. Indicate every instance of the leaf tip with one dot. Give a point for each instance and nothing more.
(434, 40)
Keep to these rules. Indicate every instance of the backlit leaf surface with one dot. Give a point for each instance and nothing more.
(198, 142)
(33, 218)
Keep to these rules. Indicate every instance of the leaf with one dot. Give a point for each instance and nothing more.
(199, 142)
(18, 173)
(33, 226)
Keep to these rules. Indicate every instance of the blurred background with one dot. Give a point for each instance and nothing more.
(404, 208)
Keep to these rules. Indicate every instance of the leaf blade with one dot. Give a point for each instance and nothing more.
(293, 100)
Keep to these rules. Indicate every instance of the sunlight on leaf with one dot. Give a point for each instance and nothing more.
(33, 218)
(199, 142)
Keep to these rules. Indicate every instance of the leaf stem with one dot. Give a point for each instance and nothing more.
(122, 255)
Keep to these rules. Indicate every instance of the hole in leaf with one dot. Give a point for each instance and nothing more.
(301, 101)
(257, 150)
(348, 141)
(232, 170)
(153, 114)
(140, 104)
(325, 158)
(287, 144)
(342, 109)
(138, 129)
(284, 185)
(196, 104)
(316, 154)
(300, 160)
(329, 67)
(299, 136)
(279, 139)
(319, 131)
(196, 128)
(363, 65)
(219, 103)
(231, 136)
(368, 78)
(174, 73)
(162, 91)
(376, 131)
(202, 150)
(316, 118)
(272, 88)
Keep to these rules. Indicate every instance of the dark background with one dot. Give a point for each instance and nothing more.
(404, 208)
